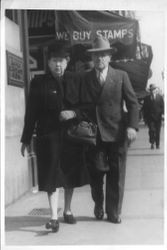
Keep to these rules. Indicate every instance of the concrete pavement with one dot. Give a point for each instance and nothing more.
(142, 215)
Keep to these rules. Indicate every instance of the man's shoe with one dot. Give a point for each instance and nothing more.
(152, 146)
(98, 212)
(157, 147)
(53, 224)
(116, 220)
(69, 218)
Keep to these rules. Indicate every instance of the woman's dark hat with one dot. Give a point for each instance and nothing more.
(101, 44)
(58, 50)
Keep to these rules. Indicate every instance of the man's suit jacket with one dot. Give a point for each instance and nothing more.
(153, 108)
(108, 102)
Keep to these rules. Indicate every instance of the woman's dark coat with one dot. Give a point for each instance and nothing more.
(47, 97)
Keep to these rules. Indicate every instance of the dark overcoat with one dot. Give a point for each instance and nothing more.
(153, 109)
(47, 97)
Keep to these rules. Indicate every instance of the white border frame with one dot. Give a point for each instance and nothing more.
(143, 5)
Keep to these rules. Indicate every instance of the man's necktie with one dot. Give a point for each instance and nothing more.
(153, 97)
(100, 78)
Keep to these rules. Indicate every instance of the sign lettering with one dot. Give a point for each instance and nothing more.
(87, 35)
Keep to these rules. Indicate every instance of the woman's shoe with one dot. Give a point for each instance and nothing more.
(69, 218)
(53, 224)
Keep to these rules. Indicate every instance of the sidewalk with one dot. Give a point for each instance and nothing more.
(142, 215)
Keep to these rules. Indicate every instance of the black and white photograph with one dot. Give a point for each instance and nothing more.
(83, 128)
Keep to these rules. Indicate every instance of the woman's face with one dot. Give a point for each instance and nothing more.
(57, 65)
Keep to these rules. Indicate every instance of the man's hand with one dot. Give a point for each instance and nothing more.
(131, 134)
(24, 147)
(66, 115)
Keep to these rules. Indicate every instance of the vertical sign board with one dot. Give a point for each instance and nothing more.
(15, 72)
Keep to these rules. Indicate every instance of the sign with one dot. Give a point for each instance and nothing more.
(82, 27)
(15, 72)
(125, 34)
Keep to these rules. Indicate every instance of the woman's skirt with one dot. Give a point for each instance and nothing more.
(50, 175)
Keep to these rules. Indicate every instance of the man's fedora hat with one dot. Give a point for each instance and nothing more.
(58, 50)
(152, 87)
(101, 44)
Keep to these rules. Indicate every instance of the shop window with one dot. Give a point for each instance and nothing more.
(12, 15)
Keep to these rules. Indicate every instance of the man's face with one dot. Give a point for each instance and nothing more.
(57, 65)
(101, 60)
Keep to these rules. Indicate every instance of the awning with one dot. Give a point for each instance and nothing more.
(80, 28)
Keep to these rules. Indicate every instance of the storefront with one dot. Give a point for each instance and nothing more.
(18, 175)
(28, 34)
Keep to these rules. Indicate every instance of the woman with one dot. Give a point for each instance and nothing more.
(49, 96)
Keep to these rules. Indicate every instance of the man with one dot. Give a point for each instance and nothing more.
(106, 90)
(153, 109)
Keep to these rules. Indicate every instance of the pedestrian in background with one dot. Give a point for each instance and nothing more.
(48, 104)
(153, 109)
(106, 89)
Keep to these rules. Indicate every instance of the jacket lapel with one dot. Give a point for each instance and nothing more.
(94, 88)
(109, 83)
(97, 91)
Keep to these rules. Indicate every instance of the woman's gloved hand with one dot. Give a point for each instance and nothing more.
(66, 115)
(24, 147)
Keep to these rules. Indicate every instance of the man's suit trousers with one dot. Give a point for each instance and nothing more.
(116, 154)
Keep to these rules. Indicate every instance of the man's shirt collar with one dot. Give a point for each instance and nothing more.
(103, 72)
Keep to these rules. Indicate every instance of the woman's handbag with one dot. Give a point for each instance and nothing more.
(83, 132)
